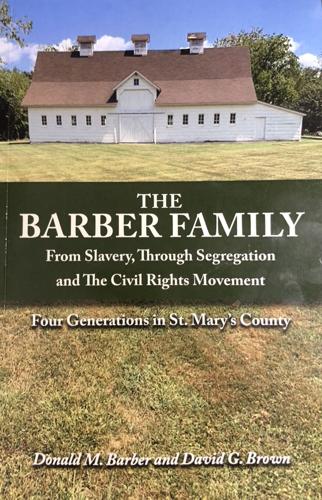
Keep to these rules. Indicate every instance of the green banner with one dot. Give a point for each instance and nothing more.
(3, 242)
(210, 242)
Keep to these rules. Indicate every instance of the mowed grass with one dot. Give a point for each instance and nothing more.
(156, 392)
(161, 162)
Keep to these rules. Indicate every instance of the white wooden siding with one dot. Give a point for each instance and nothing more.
(242, 130)
(68, 133)
(280, 124)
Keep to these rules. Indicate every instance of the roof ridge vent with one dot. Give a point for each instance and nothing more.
(196, 42)
(86, 45)
(140, 44)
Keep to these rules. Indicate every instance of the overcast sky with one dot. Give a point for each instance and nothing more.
(60, 21)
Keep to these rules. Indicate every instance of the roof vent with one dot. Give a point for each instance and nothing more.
(140, 44)
(86, 45)
(196, 42)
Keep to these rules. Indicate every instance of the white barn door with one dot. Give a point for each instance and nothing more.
(260, 126)
(136, 128)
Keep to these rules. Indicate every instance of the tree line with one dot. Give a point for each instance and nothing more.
(278, 77)
(13, 118)
(13, 84)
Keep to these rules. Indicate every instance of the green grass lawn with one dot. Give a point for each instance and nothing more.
(157, 392)
(161, 162)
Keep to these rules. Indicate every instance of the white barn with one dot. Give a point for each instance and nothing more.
(145, 96)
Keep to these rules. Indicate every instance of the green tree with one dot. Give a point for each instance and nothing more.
(13, 84)
(13, 118)
(275, 68)
(310, 100)
(11, 28)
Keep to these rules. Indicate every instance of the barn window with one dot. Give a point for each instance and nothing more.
(136, 82)
(74, 120)
(201, 119)
(216, 118)
(232, 118)
(103, 120)
(170, 120)
(88, 120)
(44, 120)
(185, 119)
(59, 120)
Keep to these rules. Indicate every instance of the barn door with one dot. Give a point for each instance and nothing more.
(260, 125)
(136, 128)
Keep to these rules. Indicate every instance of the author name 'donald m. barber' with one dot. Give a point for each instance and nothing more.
(185, 459)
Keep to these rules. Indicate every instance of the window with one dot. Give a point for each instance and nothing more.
(232, 118)
(88, 120)
(59, 120)
(170, 120)
(103, 120)
(216, 118)
(201, 119)
(185, 119)
(136, 82)
(74, 120)
(44, 120)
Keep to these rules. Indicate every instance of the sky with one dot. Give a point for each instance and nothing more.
(58, 22)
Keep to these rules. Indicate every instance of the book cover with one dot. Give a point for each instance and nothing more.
(160, 249)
